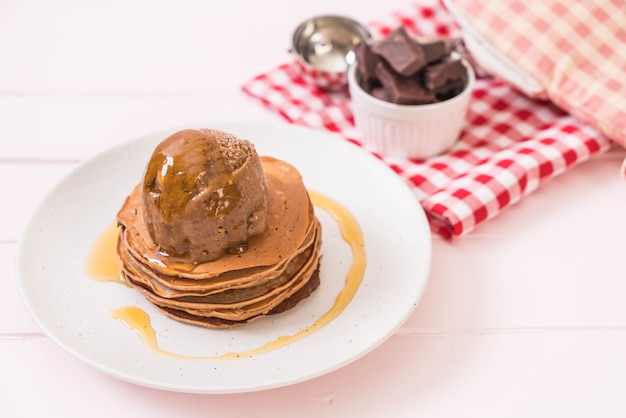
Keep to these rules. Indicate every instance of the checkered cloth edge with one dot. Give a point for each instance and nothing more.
(510, 145)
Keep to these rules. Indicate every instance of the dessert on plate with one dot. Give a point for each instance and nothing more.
(215, 235)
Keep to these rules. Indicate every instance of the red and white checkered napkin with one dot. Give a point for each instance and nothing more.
(511, 144)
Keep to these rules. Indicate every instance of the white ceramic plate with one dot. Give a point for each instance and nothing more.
(74, 310)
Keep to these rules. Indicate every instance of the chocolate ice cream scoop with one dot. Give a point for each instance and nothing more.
(204, 194)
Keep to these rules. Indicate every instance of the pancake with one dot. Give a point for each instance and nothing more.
(270, 271)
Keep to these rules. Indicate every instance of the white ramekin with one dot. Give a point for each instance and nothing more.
(408, 131)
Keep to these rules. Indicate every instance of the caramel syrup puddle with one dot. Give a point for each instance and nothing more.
(105, 266)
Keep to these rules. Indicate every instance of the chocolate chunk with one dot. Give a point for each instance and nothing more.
(434, 50)
(403, 53)
(451, 89)
(380, 93)
(367, 62)
(402, 90)
(438, 75)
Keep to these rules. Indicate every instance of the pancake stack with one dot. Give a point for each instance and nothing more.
(216, 236)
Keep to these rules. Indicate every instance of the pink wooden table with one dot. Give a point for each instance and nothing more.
(523, 317)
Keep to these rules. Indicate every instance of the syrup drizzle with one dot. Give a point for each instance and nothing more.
(103, 265)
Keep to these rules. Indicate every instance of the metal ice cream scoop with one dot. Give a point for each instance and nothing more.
(323, 47)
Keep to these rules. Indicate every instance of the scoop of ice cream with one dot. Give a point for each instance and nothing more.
(204, 194)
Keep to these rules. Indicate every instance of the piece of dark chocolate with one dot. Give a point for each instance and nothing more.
(367, 61)
(451, 89)
(434, 50)
(403, 53)
(380, 93)
(437, 76)
(402, 90)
